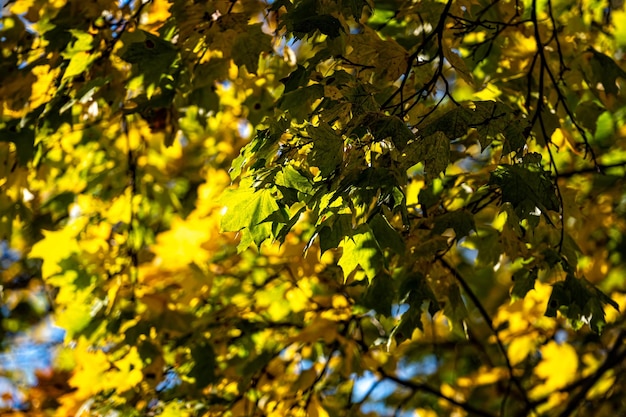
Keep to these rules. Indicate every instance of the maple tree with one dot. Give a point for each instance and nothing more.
(324, 208)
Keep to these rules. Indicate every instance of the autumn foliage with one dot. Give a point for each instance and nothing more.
(317, 208)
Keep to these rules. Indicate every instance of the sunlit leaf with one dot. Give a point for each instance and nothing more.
(290, 208)
(361, 249)
(247, 208)
(557, 367)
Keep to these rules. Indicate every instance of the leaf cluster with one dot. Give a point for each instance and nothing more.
(318, 208)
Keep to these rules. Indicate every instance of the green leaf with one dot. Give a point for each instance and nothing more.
(249, 45)
(428, 197)
(455, 311)
(605, 127)
(304, 20)
(82, 41)
(254, 364)
(361, 249)
(587, 114)
(453, 124)
(394, 128)
(527, 188)
(619, 31)
(580, 302)
(207, 73)
(204, 365)
(176, 322)
(23, 138)
(326, 24)
(277, 4)
(523, 282)
(492, 120)
(434, 151)
(380, 294)
(386, 235)
(415, 288)
(355, 7)
(147, 50)
(299, 102)
(414, 291)
(544, 128)
(297, 78)
(260, 151)
(334, 230)
(247, 208)
(151, 56)
(487, 241)
(79, 63)
(461, 221)
(459, 65)
(605, 71)
(295, 179)
(327, 153)
(386, 59)
(515, 136)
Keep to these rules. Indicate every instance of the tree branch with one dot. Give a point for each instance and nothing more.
(418, 386)
(597, 169)
(485, 315)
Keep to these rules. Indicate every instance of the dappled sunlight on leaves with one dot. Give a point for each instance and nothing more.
(316, 208)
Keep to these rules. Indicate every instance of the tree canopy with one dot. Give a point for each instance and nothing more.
(318, 208)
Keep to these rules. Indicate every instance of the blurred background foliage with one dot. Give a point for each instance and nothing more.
(324, 208)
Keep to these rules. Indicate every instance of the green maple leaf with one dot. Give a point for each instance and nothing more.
(605, 71)
(23, 138)
(462, 222)
(249, 45)
(527, 187)
(327, 153)
(434, 151)
(361, 249)
(523, 281)
(394, 128)
(580, 302)
(251, 209)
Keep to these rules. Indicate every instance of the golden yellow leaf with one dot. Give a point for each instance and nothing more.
(558, 366)
(43, 89)
(520, 347)
(21, 6)
(91, 366)
(128, 372)
(484, 376)
(54, 247)
(159, 12)
(74, 308)
(183, 243)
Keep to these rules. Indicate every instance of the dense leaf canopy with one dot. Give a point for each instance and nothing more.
(317, 208)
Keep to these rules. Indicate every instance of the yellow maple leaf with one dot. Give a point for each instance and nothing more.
(74, 307)
(127, 373)
(520, 347)
(484, 376)
(159, 12)
(43, 88)
(54, 247)
(22, 6)
(183, 243)
(91, 366)
(558, 366)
